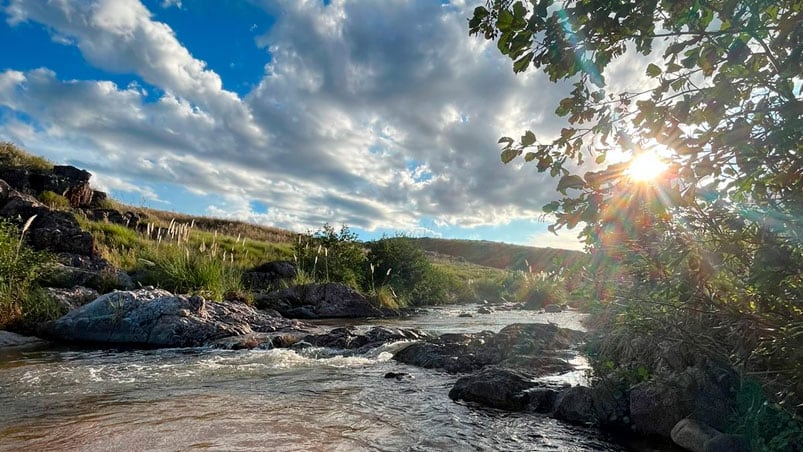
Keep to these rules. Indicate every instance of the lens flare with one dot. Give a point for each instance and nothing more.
(646, 167)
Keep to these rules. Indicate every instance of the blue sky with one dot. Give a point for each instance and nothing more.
(290, 113)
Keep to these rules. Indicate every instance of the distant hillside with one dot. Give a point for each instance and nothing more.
(503, 255)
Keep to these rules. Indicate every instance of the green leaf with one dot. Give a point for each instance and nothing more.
(530, 156)
(570, 181)
(509, 154)
(528, 139)
(653, 70)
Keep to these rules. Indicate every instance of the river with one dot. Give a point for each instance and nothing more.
(68, 398)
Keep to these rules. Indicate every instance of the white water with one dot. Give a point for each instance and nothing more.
(313, 399)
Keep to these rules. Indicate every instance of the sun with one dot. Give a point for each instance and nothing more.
(645, 167)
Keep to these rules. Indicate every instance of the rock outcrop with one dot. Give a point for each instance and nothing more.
(314, 301)
(494, 387)
(157, 318)
(536, 348)
(51, 230)
(267, 275)
(64, 180)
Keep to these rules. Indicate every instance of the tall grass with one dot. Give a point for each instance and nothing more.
(22, 302)
(11, 155)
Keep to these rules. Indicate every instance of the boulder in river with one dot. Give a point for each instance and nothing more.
(312, 301)
(575, 405)
(157, 318)
(692, 435)
(349, 338)
(9, 339)
(533, 348)
(701, 393)
(494, 387)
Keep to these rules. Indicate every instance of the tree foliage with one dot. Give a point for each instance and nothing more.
(720, 234)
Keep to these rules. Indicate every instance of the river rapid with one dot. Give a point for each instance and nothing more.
(68, 398)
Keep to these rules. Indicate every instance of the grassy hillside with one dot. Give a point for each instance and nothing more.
(505, 256)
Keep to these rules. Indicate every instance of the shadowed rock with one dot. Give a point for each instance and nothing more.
(312, 301)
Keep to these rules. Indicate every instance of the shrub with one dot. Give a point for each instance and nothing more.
(182, 270)
(22, 303)
(327, 255)
(540, 290)
(54, 200)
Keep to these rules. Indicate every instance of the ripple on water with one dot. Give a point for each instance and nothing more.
(284, 400)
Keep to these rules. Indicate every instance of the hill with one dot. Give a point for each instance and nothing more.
(503, 255)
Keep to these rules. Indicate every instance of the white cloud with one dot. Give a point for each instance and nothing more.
(376, 114)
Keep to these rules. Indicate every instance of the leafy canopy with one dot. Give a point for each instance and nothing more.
(725, 101)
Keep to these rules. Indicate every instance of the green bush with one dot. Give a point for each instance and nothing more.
(22, 302)
(54, 200)
(327, 255)
(765, 426)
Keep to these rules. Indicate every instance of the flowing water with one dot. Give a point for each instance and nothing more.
(283, 400)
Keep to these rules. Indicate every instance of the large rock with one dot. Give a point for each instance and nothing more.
(692, 435)
(494, 387)
(349, 338)
(76, 270)
(50, 230)
(532, 348)
(65, 180)
(727, 443)
(656, 406)
(157, 318)
(312, 301)
(73, 297)
(266, 276)
(575, 405)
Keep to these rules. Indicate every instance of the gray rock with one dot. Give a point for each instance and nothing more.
(268, 275)
(311, 301)
(72, 298)
(9, 339)
(553, 308)
(95, 273)
(726, 443)
(575, 405)
(532, 348)
(51, 230)
(350, 339)
(541, 399)
(484, 310)
(157, 318)
(692, 435)
(494, 387)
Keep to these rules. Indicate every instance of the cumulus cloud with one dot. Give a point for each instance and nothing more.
(373, 114)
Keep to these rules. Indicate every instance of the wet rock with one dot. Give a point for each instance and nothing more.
(244, 342)
(465, 314)
(9, 339)
(494, 387)
(72, 298)
(541, 399)
(453, 353)
(553, 308)
(267, 275)
(157, 318)
(349, 338)
(532, 348)
(692, 435)
(575, 405)
(727, 443)
(484, 310)
(399, 375)
(312, 301)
